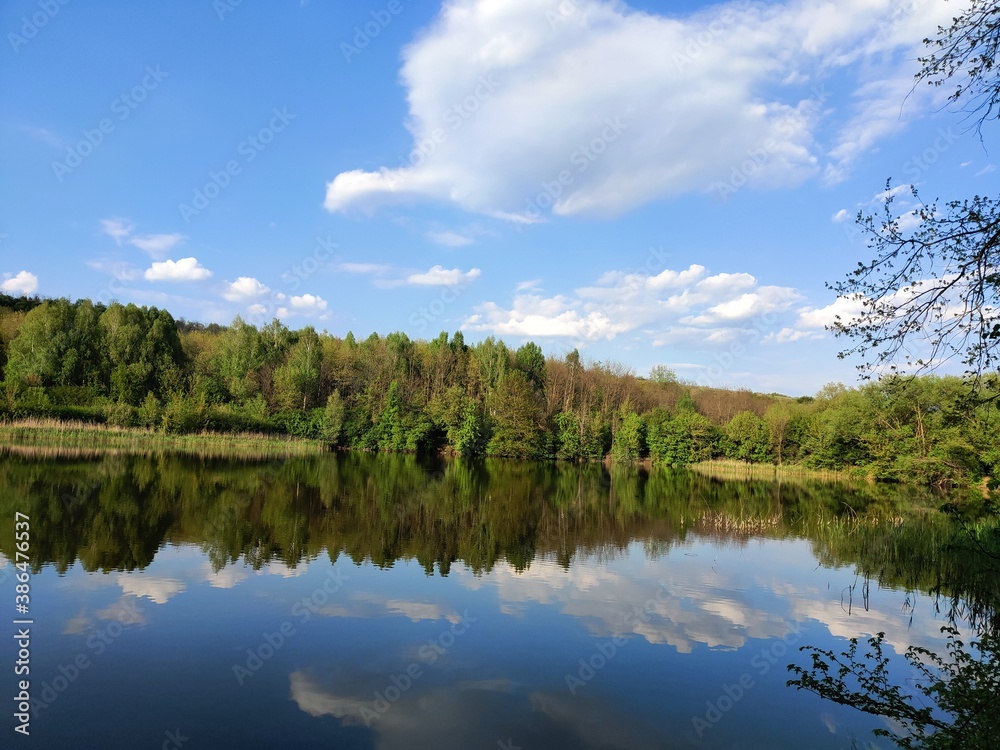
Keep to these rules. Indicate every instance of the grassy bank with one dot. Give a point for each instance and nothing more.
(721, 469)
(44, 437)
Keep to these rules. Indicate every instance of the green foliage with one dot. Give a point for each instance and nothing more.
(670, 440)
(296, 380)
(630, 438)
(530, 360)
(662, 374)
(747, 438)
(514, 417)
(184, 414)
(149, 412)
(69, 360)
(333, 418)
(119, 414)
(472, 436)
(951, 705)
(569, 435)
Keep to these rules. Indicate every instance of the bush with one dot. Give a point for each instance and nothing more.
(120, 415)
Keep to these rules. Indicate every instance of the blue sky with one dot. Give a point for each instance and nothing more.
(653, 183)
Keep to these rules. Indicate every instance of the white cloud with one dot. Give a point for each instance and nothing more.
(305, 305)
(677, 127)
(185, 269)
(120, 270)
(844, 308)
(365, 268)
(159, 590)
(450, 239)
(672, 306)
(118, 229)
(532, 315)
(22, 283)
(257, 309)
(841, 216)
(786, 335)
(244, 288)
(156, 245)
(439, 276)
(308, 302)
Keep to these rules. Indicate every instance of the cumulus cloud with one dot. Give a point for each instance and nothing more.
(305, 305)
(688, 305)
(440, 276)
(244, 288)
(386, 276)
(159, 590)
(843, 308)
(514, 115)
(185, 269)
(810, 322)
(22, 283)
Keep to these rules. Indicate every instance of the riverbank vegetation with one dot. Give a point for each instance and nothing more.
(53, 438)
(136, 367)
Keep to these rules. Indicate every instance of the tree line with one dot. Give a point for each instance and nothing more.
(127, 365)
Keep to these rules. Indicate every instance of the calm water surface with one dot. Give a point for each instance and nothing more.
(386, 602)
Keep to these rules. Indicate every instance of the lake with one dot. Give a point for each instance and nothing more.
(359, 601)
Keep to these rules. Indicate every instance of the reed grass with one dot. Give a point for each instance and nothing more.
(726, 469)
(44, 438)
(741, 525)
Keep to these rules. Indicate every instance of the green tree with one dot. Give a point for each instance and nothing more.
(472, 436)
(629, 442)
(778, 417)
(747, 438)
(530, 360)
(297, 379)
(662, 374)
(515, 417)
(333, 418)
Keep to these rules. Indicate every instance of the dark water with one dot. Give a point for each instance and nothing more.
(385, 602)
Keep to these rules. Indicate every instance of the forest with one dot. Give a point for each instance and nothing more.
(131, 366)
